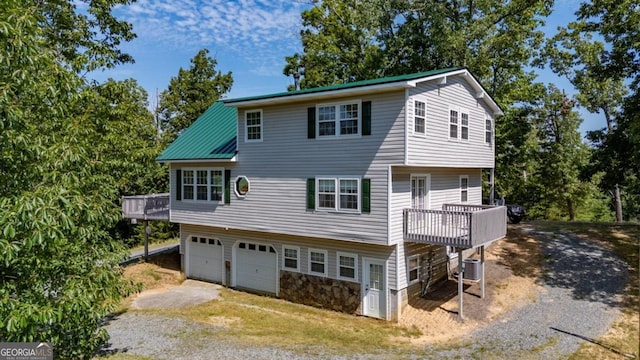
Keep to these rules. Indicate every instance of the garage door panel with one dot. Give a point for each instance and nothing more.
(256, 267)
(205, 259)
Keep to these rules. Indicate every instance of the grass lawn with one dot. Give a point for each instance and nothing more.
(624, 240)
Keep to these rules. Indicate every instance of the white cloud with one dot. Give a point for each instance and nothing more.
(260, 32)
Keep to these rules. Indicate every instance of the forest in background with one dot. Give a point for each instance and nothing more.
(72, 147)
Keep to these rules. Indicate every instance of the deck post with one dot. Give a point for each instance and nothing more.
(482, 272)
(492, 191)
(146, 240)
(460, 287)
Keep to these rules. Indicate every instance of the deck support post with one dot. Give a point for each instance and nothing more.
(460, 285)
(146, 240)
(482, 272)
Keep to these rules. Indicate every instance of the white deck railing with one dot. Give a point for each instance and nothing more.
(146, 207)
(459, 225)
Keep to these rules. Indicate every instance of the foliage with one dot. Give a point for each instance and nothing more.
(191, 93)
(59, 275)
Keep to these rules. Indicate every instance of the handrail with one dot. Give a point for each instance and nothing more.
(146, 207)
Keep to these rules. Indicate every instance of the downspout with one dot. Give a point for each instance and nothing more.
(406, 127)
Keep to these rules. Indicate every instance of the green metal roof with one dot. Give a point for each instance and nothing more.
(349, 85)
(211, 136)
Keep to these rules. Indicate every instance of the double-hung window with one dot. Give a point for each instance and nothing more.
(419, 117)
(347, 265)
(413, 268)
(291, 258)
(488, 135)
(318, 262)
(339, 119)
(202, 184)
(339, 194)
(253, 125)
(464, 188)
(458, 124)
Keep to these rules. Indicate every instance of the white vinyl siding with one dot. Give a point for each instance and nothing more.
(438, 148)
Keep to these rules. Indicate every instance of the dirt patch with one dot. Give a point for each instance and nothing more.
(511, 268)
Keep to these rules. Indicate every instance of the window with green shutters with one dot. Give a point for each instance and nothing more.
(342, 194)
(351, 118)
(202, 184)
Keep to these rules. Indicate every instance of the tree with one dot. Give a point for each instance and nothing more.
(191, 93)
(59, 273)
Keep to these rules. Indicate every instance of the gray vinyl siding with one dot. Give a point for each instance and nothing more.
(444, 189)
(436, 149)
(230, 237)
(278, 168)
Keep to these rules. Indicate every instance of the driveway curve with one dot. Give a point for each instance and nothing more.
(580, 299)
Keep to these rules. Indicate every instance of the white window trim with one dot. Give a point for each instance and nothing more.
(491, 131)
(417, 279)
(195, 184)
(462, 190)
(337, 207)
(460, 111)
(326, 262)
(289, 247)
(428, 188)
(246, 127)
(355, 266)
(337, 120)
(422, 134)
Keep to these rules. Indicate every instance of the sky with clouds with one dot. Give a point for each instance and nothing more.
(248, 37)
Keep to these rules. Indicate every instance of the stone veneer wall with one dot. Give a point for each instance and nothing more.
(338, 295)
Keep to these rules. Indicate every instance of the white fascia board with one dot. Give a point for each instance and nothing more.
(188, 161)
(324, 94)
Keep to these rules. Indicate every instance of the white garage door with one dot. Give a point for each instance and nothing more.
(205, 259)
(256, 267)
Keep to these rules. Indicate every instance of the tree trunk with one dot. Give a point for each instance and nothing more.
(618, 201)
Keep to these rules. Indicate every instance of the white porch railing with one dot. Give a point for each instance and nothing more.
(146, 207)
(459, 225)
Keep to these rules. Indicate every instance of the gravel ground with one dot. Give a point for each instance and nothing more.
(581, 284)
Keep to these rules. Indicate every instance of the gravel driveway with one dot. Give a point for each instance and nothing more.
(580, 300)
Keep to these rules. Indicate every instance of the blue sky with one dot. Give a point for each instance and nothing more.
(248, 37)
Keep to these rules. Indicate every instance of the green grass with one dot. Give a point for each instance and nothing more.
(624, 240)
(156, 245)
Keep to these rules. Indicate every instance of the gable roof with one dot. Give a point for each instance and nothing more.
(367, 87)
(211, 137)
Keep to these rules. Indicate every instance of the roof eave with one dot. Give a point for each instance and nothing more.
(186, 161)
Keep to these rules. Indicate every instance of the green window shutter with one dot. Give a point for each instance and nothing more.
(311, 123)
(366, 195)
(311, 194)
(227, 186)
(178, 184)
(366, 118)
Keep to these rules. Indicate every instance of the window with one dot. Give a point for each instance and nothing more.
(318, 262)
(458, 125)
(453, 124)
(346, 189)
(241, 186)
(464, 126)
(419, 117)
(291, 258)
(419, 191)
(488, 135)
(464, 188)
(413, 268)
(253, 125)
(347, 264)
(338, 119)
(202, 184)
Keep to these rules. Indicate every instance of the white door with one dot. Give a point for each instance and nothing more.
(419, 191)
(374, 288)
(205, 259)
(256, 267)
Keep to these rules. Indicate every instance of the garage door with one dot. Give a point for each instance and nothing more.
(205, 259)
(256, 267)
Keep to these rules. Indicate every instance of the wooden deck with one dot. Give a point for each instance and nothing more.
(459, 225)
(146, 207)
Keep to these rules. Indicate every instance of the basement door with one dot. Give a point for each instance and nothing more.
(374, 298)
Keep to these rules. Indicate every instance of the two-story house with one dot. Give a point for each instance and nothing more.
(338, 196)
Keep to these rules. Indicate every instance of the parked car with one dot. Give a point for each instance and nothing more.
(515, 213)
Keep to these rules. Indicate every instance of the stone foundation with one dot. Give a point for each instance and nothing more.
(338, 295)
